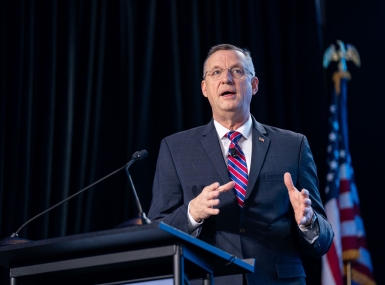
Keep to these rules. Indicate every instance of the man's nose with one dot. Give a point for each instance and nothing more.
(227, 76)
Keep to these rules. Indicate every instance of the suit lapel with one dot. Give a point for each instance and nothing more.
(213, 149)
(259, 150)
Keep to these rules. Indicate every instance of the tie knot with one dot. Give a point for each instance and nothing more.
(234, 136)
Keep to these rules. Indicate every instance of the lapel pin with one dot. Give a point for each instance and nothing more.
(261, 139)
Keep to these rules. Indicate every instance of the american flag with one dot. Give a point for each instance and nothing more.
(342, 205)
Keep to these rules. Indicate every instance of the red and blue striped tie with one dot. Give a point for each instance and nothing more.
(237, 167)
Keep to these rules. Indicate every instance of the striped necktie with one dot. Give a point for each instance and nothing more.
(237, 167)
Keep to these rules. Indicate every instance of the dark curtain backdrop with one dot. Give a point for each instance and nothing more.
(85, 84)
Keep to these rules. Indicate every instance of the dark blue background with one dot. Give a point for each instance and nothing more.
(84, 84)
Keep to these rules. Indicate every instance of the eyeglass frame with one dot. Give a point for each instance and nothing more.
(229, 69)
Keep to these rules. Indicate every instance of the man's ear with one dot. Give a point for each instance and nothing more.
(254, 85)
(203, 87)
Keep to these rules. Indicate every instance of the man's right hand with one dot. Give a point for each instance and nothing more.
(202, 206)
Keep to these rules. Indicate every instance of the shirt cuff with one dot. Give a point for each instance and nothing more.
(193, 226)
(311, 232)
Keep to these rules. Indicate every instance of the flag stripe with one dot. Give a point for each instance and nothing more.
(334, 265)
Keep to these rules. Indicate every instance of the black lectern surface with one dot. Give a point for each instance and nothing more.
(119, 255)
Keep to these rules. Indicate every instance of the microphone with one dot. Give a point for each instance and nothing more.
(141, 219)
(233, 152)
(14, 238)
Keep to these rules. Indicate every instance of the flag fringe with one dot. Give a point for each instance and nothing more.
(351, 254)
(362, 278)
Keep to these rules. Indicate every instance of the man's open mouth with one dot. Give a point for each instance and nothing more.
(227, 93)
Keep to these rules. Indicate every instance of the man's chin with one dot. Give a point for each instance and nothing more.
(231, 110)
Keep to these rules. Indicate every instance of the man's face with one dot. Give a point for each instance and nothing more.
(228, 96)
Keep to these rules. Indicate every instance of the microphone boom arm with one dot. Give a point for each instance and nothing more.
(138, 155)
(68, 198)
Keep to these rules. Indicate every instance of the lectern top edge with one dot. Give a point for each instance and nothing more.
(246, 264)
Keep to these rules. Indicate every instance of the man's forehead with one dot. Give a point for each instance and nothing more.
(226, 56)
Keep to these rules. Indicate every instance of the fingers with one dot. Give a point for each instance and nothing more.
(226, 187)
(305, 196)
(307, 210)
(214, 190)
(288, 182)
(307, 216)
(300, 201)
(203, 205)
(212, 187)
(290, 187)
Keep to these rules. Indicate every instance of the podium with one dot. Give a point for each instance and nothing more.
(120, 256)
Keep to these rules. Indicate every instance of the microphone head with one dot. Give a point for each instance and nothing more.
(233, 152)
(139, 155)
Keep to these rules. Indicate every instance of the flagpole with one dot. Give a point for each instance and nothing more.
(349, 273)
(336, 78)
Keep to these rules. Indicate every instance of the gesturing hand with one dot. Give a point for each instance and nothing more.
(300, 202)
(202, 206)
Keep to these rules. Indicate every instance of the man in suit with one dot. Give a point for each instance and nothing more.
(238, 190)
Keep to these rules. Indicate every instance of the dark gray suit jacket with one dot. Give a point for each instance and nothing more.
(265, 229)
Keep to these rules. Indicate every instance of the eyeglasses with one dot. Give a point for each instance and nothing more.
(236, 72)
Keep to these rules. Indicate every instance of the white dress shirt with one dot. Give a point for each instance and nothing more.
(245, 141)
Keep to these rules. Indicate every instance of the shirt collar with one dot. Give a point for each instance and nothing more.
(245, 129)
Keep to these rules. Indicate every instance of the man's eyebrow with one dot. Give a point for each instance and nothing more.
(214, 67)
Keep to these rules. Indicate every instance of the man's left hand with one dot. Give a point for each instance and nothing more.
(300, 202)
